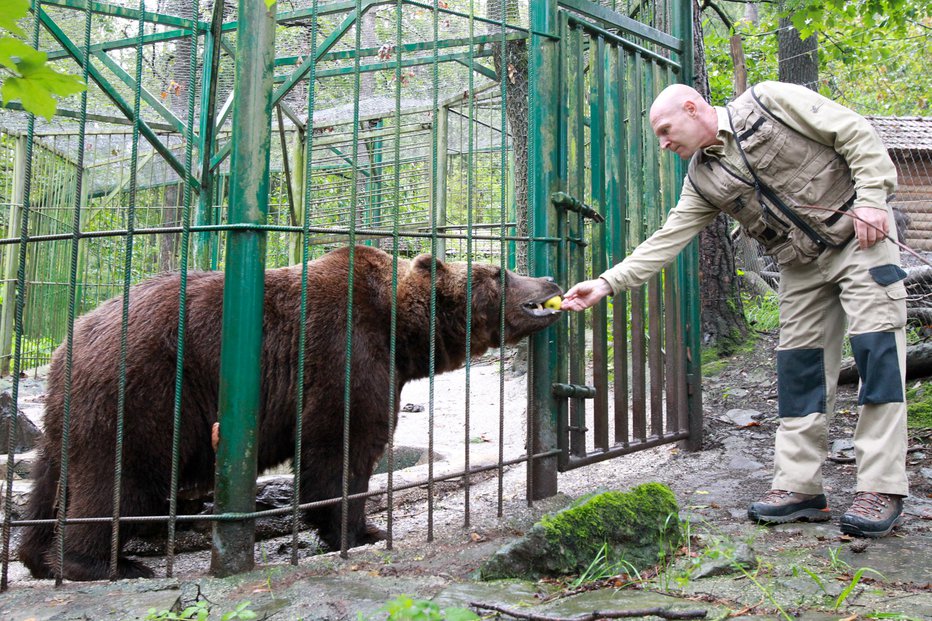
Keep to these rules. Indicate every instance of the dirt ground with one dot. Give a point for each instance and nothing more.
(437, 546)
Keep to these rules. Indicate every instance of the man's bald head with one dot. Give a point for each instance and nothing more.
(683, 121)
(674, 96)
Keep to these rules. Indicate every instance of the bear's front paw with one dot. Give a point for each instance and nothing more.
(372, 534)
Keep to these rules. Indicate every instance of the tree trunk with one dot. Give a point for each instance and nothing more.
(918, 364)
(177, 91)
(512, 65)
(723, 324)
(798, 58)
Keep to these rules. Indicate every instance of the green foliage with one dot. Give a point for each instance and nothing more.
(41, 347)
(200, 611)
(895, 16)
(26, 76)
(761, 312)
(602, 567)
(404, 608)
(919, 405)
(872, 53)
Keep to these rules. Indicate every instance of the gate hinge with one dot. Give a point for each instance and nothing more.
(568, 391)
(563, 200)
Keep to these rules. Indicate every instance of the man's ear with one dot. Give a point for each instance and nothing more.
(689, 107)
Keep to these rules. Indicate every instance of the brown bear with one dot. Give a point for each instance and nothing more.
(150, 389)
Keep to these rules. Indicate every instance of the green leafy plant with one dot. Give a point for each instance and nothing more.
(797, 569)
(601, 567)
(404, 608)
(768, 593)
(835, 561)
(761, 311)
(25, 74)
(854, 582)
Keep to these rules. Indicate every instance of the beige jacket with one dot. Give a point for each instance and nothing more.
(805, 113)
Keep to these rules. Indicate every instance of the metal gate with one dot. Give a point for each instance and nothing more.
(626, 373)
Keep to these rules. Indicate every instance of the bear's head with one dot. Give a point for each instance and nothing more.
(525, 299)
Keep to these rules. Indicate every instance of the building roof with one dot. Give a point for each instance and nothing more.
(904, 132)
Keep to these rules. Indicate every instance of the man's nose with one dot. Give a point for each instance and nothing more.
(664, 143)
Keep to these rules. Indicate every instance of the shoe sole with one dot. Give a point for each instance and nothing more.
(850, 529)
(809, 515)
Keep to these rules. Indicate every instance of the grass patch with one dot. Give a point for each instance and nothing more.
(762, 312)
(919, 405)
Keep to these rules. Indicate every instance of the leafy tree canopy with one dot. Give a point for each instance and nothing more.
(873, 54)
(24, 74)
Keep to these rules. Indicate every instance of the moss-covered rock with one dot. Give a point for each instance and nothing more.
(638, 529)
(919, 405)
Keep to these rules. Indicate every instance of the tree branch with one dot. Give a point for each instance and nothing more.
(708, 4)
(663, 613)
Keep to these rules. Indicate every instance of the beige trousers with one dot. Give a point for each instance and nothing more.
(864, 287)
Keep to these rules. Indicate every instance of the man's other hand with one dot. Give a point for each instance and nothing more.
(870, 225)
(584, 294)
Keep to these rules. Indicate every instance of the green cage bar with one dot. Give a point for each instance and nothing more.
(244, 286)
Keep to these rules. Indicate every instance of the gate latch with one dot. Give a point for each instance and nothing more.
(569, 391)
(562, 200)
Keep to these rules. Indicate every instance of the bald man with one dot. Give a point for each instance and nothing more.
(809, 179)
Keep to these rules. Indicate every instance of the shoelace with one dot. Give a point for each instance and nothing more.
(774, 495)
(868, 504)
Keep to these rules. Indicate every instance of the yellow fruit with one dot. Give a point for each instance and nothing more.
(554, 303)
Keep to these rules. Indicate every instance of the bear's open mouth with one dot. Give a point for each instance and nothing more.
(537, 309)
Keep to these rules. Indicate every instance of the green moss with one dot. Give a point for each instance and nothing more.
(647, 512)
(634, 530)
(716, 358)
(919, 405)
(713, 367)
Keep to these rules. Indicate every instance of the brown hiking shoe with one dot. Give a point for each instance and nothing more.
(872, 514)
(779, 506)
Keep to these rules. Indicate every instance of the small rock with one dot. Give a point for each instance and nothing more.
(727, 563)
(858, 545)
(26, 432)
(743, 463)
(412, 407)
(741, 418)
(22, 463)
(842, 451)
(273, 492)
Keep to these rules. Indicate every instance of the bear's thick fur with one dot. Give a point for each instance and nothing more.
(150, 389)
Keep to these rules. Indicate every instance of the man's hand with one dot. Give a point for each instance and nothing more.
(870, 225)
(583, 295)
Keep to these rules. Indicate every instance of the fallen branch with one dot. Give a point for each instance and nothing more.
(663, 613)
(758, 285)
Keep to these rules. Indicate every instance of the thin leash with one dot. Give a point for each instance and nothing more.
(849, 213)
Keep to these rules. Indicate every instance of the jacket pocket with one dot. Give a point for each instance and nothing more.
(885, 275)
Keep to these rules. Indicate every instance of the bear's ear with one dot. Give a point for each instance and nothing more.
(486, 288)
(423, 261)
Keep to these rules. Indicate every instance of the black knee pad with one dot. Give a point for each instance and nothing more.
(800, 381)
(879, 367)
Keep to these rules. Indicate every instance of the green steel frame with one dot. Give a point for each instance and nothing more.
(622, 74)
(594, 157)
